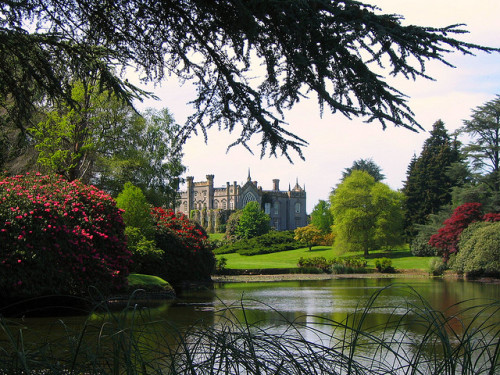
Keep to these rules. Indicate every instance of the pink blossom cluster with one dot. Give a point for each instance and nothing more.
(59, 237)
(189, 234)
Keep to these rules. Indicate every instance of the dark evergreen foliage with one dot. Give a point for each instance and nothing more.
(367, 165)
(320, 47)
(271, 242)
(428, 187)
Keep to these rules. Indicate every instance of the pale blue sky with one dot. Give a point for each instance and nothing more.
(334, 141)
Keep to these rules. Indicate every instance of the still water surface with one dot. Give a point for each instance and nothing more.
(331, 299)
(310, 304)
(265, 303)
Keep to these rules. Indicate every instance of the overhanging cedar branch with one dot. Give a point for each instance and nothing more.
(331, 49)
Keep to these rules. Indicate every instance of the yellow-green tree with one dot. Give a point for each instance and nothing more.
(368, 214)
(308, 235)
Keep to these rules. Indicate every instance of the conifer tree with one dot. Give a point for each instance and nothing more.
(428, 187)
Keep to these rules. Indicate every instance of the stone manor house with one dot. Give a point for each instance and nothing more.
(286, 208)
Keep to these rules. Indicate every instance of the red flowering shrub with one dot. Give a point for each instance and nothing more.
(491, 217)
(59, 237)
(187, 255)
(447, 237)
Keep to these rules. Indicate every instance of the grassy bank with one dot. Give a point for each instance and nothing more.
(402, 259)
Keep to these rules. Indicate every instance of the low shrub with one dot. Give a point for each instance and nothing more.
(334, 265)
(479, 250)
(437, 266)
(384, 265)
(220, 266)
(59, 237)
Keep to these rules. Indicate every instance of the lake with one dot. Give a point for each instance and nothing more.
(317, 311)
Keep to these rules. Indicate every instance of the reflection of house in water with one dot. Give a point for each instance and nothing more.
(287, 208)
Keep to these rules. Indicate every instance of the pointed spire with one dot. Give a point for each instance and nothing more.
(249, 178)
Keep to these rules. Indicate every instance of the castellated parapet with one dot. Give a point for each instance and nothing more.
(286, 208)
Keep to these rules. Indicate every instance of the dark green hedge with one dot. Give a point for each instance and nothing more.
(271, 242)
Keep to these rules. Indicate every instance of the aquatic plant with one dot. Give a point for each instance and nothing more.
(414, 339)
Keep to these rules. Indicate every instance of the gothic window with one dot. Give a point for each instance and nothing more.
(232, 205)
(297, 208)
(267, 208)
(224, 204)
(185, 205)
(276, 208)
(249, 197)
(216, 204)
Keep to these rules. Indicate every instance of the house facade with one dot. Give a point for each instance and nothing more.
(286, 208)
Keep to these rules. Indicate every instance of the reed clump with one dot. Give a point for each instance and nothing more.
(414, 339)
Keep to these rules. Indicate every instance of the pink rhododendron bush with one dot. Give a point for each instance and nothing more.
(59, 237)
(187, 254)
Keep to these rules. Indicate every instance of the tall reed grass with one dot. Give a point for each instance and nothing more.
(415, 339)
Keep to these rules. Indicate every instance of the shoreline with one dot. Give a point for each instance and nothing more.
(410, 274)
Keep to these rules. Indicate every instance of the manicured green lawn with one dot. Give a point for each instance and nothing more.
(215, 236)
(401, 258)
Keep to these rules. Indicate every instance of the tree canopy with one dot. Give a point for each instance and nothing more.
(428, 186)
(334, 50)
(253, 221)
(321, 216)
(367, 165)
(484, 147)
(367, 214)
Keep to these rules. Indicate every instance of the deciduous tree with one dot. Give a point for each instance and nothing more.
(308, 235)
(146, 151)
(253, 221)
(367, 214)
(321, 217)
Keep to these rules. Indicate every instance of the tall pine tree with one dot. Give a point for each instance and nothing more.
(428, 186)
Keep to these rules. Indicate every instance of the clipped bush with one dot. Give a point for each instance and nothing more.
(479, 250)
(59, 237)
(315, 262)
(338, 265)
(384, 265)
(187, 252)
(272, 242)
